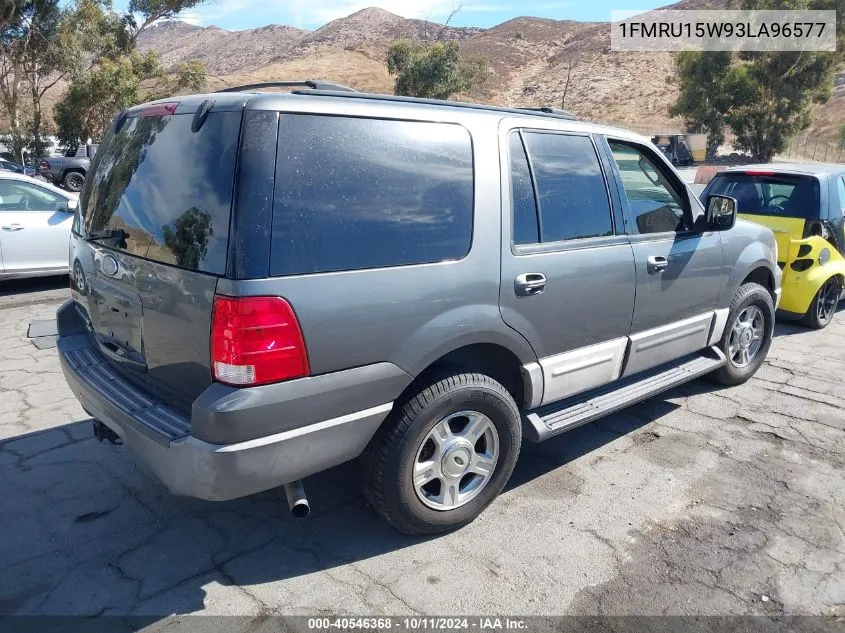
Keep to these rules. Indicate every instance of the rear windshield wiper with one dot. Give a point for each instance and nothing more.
(111, 234)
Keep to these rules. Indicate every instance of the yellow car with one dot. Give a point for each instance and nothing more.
(804, 205)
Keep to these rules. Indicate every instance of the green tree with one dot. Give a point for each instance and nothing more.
(774, 92)
(433, 70)
(842, 134)
(120, 76)
(99, 94)
(765, 97)
(27, 30)
(704, 98)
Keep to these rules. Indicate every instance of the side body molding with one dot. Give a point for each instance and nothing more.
(558, 377)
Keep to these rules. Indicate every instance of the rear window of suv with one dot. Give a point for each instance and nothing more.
(356, 193)
(769, 194)
(159, 191)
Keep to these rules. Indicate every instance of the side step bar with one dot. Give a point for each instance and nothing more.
(558, 417)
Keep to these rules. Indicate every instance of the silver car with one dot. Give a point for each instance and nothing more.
(35, 225)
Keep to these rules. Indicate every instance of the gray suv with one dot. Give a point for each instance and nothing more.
(274, 284)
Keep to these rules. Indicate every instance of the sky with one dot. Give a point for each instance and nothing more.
(311, 14)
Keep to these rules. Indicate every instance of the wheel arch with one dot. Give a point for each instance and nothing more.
(763, 276)
(490, 358)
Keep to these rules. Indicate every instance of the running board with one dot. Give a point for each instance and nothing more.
(558, 417)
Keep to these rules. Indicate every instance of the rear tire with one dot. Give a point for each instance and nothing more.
(73, 181)
(824, 305)
(750, 303)
(460, 434)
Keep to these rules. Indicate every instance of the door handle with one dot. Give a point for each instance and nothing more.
(529, 284)
(657, 264)
(13, 227)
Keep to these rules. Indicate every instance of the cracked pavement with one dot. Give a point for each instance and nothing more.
(704, 501)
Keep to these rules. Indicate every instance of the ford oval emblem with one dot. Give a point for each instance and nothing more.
(109, 265)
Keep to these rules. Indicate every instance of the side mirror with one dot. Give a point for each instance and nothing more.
(720, 214)
(72, 206)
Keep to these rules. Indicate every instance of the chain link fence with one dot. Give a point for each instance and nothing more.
(808, 147)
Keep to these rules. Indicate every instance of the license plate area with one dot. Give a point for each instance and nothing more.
(117, 318)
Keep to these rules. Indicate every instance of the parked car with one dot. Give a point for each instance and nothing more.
(419, 283)
(69, 170)
(7, 165)
(804, 205)
(35, 226)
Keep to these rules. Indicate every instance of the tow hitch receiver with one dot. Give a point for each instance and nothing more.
(102, 432)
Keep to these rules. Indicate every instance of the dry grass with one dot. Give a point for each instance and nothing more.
(351, 68)
(530, 62)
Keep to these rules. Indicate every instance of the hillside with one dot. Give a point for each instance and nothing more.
(531, 61)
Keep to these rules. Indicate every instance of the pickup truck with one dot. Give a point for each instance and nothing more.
(68, 171)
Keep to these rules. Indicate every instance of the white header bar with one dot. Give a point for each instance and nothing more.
(679, 30)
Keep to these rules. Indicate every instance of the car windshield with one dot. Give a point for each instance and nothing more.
(769, 194)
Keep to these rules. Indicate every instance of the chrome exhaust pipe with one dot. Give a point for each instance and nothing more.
(297, 501)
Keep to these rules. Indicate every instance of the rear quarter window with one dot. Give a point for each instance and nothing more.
(356, 193)
(769, 194)
(164, 192)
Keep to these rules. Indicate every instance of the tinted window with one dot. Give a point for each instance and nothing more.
(525, 226)
(164, 192)
(654, 202)
(22, 196)
(572, 194)
(840, 187)
(365, 193)
(762, 194)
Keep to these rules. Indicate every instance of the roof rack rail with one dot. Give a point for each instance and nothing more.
(307, 83)
(553, 112)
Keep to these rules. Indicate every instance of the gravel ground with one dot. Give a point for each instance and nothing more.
(704, 501)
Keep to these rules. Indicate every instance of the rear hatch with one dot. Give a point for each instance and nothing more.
(156, 209)
(788, 204)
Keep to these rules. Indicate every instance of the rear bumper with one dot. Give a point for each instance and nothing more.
(47, 174)
(187, 465)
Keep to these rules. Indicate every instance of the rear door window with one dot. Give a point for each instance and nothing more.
(525, 223)
(365, 193)
(160, 191)
(572, 192)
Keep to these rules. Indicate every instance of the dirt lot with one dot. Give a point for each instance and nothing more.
(705, 501)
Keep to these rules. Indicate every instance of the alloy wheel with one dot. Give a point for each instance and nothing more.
(456, 460)
(828, 300)
(746, 337)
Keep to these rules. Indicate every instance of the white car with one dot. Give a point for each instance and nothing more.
(35, 224)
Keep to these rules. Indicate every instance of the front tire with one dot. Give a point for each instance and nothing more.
(444, 455)
(824, 305)
(748, 334)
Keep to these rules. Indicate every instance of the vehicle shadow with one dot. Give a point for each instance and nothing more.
(788, 326)
(89, 531)
(19, 287)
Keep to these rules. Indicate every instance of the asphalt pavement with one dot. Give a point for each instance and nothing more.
(705, 501)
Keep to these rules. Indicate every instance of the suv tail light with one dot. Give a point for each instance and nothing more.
(255, 341)
(44, 165)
